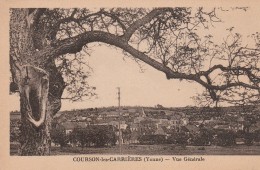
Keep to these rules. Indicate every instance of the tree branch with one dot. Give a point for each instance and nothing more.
(75, 44)
(116, 18)
(137, 24)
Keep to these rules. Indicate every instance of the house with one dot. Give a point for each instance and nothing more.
(100, 122)
(69, 126)
(112, 114)
(184, 121)
(176, 123)
(134, 127)
(175, 117)
(81, 118)
(240, 119)
(163, 130)
(176, 120)
(222, 127)
(138, 119)
(198, 122)
(123, 124)
(148, 123)
(126, 114)
(163, 122)
(207, 121)
(160, 131)
(255, 127)
(168, 113)
(190, 129)
(132, 110)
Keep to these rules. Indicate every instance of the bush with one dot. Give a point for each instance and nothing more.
(249, 137)
(205, 137)
(178, 138)
(93, 135)
(257, 135)
(181, 138)
(226, 138)
(171, 140)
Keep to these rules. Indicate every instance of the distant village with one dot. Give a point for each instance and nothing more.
(156, 125)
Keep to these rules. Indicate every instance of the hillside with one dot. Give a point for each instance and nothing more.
(192, 112)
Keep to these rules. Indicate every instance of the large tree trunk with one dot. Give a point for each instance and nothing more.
(34, 140)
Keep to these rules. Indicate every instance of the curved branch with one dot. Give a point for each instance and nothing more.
(75, 44)
(235, 70)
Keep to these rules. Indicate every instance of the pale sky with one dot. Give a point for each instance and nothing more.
(110, 70)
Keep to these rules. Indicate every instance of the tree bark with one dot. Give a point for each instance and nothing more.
(37, 140)
(33, 140)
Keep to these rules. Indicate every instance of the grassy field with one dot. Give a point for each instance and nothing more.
(154, 150)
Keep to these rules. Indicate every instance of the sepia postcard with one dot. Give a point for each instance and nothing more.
(130, 85)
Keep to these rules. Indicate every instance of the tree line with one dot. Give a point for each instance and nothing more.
(96, 136)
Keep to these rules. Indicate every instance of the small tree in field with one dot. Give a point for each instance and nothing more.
(79, 135)
(205, 137)
(126, 134)
(103, 135)
(47, 49)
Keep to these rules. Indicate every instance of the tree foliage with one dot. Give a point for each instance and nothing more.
(204, 137)
(165, 38)
(226, 138)
(98, 136)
